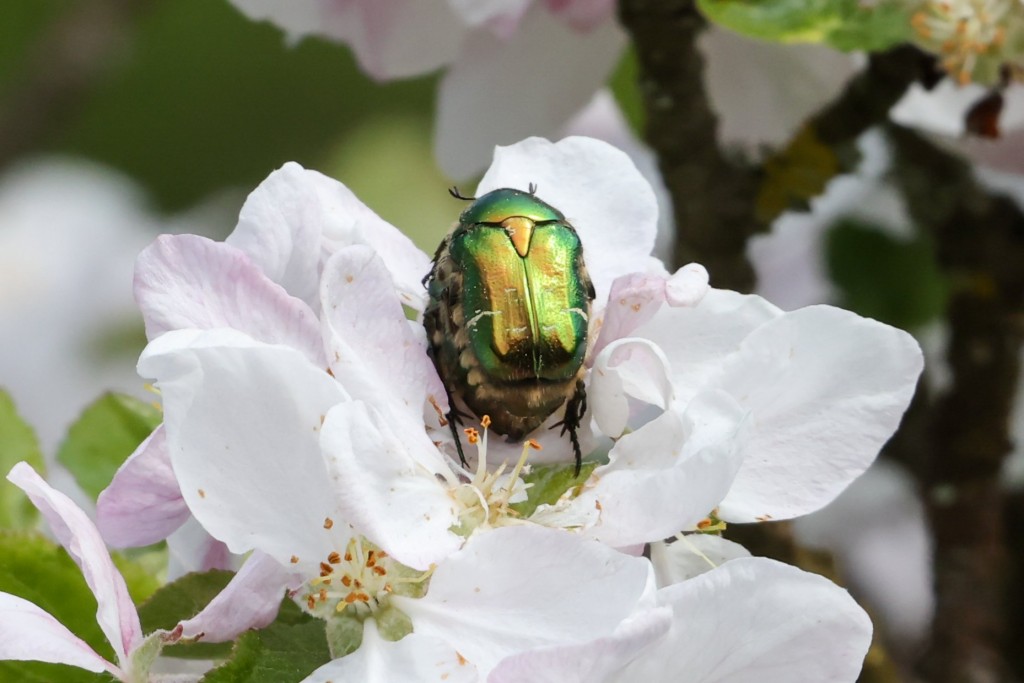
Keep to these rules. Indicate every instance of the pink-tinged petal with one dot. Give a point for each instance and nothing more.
(143, 503)
(599, 190)
(250, 600)
(633, 300)
(280, 228)
(115, 611)
(243, 422)
(383, 489)
(692, 555)
(413, 658)
(472, 117)
(588, 662)
(669, 474)
(763, 91)
(628, 368)
(697, 339)
(187, 281)
(583, 15)
(394, 39)
(687, 286)
(636, 297)
(501, 17)
(192, 549)
(377, 354)
(296, 218)
(29, 633)
(754, 620)
(827, 389)
(522, 587)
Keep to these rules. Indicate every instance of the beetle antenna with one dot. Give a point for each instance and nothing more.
(533, 188)
(454, 191)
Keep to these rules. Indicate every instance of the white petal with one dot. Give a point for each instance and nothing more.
(762, 91)
(600, 192)
(669, 474)
(376, 353)
(755, 620)
(27, 632)
(827, 388)
(635, 298)
(472, 117)
(413, 658)
(184, 281)
(590, 662)
(383, 491)
(115, 612)
(192, 549)
(243, 422)
(941, 109)
(583, 15)
(500, 16)
(394, 39)
(628, 368)
(518, 588)
(296, 215)
(687, 286)
(280, 227)
(697, 339)
(250, 600)
(603, 119)
(692, 555)
(143, 503)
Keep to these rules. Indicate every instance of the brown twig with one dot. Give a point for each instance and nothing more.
(980, 244)
(712, 195)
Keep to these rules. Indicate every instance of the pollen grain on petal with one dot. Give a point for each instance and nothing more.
(294, 559)
(202, 493)
(328, 523)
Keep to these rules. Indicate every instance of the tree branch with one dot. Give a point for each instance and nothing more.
(980, 244)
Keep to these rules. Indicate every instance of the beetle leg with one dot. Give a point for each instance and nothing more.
(453, 424)
(575, 408)
(454, 417)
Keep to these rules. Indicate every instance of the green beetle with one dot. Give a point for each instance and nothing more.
(508, 315)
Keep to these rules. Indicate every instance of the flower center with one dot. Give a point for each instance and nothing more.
(962, 31)
(486, 500)
(359, 582)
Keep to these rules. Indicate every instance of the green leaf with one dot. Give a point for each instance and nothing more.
(17, 442)
(183, 599)
(842, 24)
(103, 437)
(142, 569)
(549, 482)
(38, 570)
(884, 277)
(281, 653)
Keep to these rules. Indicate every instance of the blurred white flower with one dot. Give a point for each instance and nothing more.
(790, 260)
(69, 234)
(878, 534)
(513, 68)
